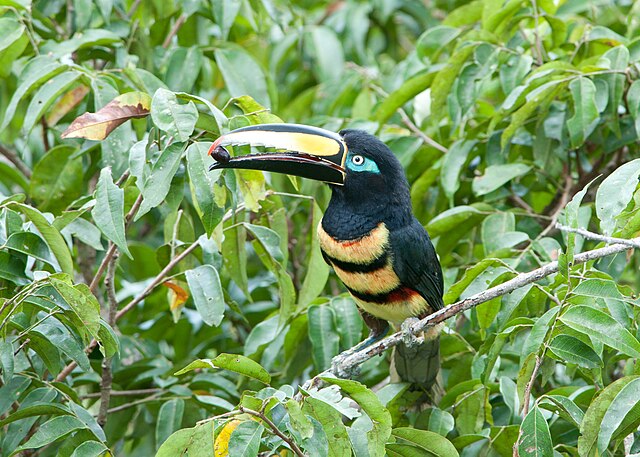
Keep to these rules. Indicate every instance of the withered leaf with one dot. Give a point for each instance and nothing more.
(98, 125)
(66, 103)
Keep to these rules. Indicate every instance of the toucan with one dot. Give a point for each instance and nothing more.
(368, 233)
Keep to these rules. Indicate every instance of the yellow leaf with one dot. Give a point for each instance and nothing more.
(221, 443)
(98, 125)
(178, 295)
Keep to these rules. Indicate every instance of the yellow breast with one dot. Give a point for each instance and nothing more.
(361, 250)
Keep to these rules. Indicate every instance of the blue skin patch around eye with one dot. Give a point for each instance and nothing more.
(367, 164)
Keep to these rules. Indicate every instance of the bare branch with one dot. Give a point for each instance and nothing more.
(596, 236)
(174, 30)
(107, 378)
(521, 280)
(17, 161)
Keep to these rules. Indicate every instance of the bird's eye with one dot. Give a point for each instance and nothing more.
(357, 160)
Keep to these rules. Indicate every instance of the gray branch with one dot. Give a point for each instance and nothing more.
(521, 280)
(598, 237)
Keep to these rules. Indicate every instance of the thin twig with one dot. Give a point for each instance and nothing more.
(347, 365)
(292, 444)
(596, 236)
(423, 136)
(123, 393)
(529, 386)
(16, 160)
(174, 30)
(134, 403)
(536, 33)
(107, 377)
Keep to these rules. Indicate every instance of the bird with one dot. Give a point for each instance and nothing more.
(368, 233)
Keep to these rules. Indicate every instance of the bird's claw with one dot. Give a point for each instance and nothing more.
(408, 338)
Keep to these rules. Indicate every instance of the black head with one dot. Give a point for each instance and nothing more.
(375, 185)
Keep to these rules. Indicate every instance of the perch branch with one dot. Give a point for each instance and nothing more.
(521, 280)
(596, 236)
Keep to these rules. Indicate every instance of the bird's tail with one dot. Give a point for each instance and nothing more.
(420, 364)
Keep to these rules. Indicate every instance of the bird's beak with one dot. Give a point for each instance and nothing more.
(299, 150)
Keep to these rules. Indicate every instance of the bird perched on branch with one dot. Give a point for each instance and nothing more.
(368, 233)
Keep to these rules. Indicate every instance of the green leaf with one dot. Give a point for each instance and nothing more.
(349, 325)
(430, 442)
(327, 52)
(323, 335)
(172, 117)
(370, 404)
(46, 95)
(633, 103)
(169, 419)
(31, 244)
(51, 431)
(242, 75)
(7, 363)
(317, 269)
(615, 193)
(495, 176)
(563, 406)
(108, 213)
(331, 421)
(83, 303)
(591, 426)
(622, 416)
(57, 179)
(572, 350)
(585, 117)
(443, 81)
(299, 421)
(269, 239)
(38, 70)
(50, 234)
(156, 185)
(242, 365)
(535, 439)
(90, 449)
(206, 290)
(571, 212)
(452, 165)
(602, 328)
(245, 439)
(196, 364)
(35, 409)
(201, 183)
(608, 291)
(189, 441)
(396, 99)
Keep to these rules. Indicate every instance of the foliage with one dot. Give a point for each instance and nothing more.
(503, 114)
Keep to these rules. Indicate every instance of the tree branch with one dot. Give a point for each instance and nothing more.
(349, 363)
(292, 444)
(16, 160)
(596, 236)
(107, 378)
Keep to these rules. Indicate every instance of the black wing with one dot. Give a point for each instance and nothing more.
(416, 263)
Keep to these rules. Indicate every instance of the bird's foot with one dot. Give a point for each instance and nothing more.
(408, 338)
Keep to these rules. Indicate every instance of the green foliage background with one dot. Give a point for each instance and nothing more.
(503, 114)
